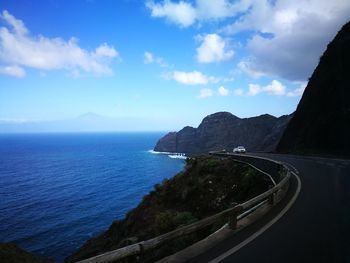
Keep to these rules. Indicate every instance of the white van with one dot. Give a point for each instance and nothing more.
(239, 149)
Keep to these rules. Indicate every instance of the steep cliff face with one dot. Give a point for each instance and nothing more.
(321, 123)
(223, 130)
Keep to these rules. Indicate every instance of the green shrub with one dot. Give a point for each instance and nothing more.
(169, 220)
(212, 162)
(184, 218)
(248, 179)
(164, 222)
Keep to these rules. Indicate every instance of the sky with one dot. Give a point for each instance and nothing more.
(159, 65)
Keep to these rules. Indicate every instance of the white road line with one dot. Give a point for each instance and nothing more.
(263, 229)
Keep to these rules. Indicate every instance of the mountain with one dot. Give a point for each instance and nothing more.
(223, 130)
(321, 123)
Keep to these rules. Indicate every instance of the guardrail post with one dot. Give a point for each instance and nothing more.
(233, 218)
(233, 221)
(272, 199)
(139, 256)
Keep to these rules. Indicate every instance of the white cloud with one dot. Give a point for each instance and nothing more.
(192, 78)
(213, 49)
(106, 51)
(219, 9)
(18, 25)
(245, 65)
(228, 79)
(254, 89)
(298, 91)
(150, 58)
(205, 93)
(185, 14)
(297, 35)
(14, 71)
(287, 38)
(19, 49)
(238, 92)
(274, 88)
(223, 91)
(181, 13)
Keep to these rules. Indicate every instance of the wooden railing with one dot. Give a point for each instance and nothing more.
(231, 214)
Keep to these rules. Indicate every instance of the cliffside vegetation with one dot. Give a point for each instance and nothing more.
(10, 253)
(207, 186)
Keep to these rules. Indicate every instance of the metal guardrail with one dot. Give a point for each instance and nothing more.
(231, 214)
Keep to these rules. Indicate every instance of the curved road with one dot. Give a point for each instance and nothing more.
(315, 229)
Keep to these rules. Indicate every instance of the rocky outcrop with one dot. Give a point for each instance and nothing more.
(10, 253)
(223, 130)
(321, 123)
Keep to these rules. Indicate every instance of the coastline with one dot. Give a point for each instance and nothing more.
(173, 155)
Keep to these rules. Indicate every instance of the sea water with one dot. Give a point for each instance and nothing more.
(59, 190)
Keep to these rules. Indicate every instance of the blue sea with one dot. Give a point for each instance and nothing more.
(59, 190)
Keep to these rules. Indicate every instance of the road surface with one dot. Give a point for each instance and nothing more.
(315, 229)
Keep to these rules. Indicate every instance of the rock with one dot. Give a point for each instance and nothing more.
(321, 123)
(223, 130)
(10, 253)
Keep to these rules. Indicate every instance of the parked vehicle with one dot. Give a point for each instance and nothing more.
(239, 149)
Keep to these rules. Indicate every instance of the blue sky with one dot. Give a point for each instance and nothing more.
(164, 64)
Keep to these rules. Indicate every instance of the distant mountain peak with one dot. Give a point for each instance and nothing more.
(266, 115)
(221, 114)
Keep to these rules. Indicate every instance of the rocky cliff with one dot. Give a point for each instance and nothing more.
(223, 130)
(321, 123)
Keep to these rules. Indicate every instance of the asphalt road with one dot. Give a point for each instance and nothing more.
(315, 229)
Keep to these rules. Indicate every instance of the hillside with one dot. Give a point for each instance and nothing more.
(321, 123)
(10, 253)
(223, 130)
(207, 186)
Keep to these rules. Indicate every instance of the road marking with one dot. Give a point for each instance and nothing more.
(263, 229)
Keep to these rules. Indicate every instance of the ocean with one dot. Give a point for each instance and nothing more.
(59, 190)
